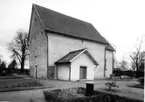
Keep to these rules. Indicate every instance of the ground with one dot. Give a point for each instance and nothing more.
(37, 95)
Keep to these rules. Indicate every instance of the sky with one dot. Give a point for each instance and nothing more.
(121, 22)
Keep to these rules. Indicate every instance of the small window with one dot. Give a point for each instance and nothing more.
(35, 65)
(105, 64)
(35, 53)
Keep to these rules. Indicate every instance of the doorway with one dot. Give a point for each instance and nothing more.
(83, 72)
(36, 71)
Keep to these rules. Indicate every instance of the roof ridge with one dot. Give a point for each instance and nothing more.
(78, 50)
(56, 22)
(37, 13)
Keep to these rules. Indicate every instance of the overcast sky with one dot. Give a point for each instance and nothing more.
(121, 22)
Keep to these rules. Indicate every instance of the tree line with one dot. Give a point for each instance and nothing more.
(137, 61)
(18, 48)
(7, 70)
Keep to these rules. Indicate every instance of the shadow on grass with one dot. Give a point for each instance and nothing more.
(137, 86)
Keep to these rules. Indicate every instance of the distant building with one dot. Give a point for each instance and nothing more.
(66, 48)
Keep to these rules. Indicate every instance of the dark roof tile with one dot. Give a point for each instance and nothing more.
(56, 22)
(110, 48)
(67, 58)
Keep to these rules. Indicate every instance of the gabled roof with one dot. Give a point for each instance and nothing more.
(62, 24)
(73, 55)
(110, 48)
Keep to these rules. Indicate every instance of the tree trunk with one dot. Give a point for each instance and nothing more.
(137, 67)
(22, 65)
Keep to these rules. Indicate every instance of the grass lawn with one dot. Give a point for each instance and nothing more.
(123, 89)
(127, 89)
(137, 86)
(16, 84)
(125, 93)
(9, 77)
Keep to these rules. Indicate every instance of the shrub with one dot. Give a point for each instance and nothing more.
(111, 84)
(119, 72)
(141, 80)
(28, 84)
(78, 95)
(139, 74)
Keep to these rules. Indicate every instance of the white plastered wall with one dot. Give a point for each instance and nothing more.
(60, 45)
(82, 60)
(63, 72)
(109, 63)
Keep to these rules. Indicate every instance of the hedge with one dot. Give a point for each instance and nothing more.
(129, 73)
(141, 80)
(78, 95)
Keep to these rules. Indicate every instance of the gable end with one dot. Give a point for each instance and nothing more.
(36, 24)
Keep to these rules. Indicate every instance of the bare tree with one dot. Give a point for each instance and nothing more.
(133, 66)
(123, 64)
(19, 48)
(116, 63)
(137, 56)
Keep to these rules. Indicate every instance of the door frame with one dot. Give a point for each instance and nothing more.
(80, 72)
